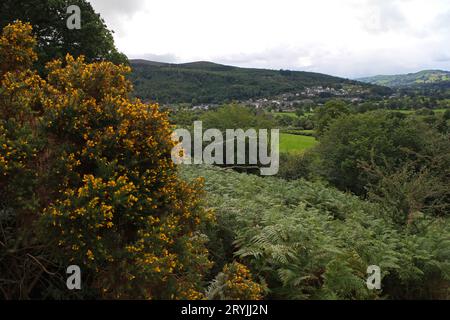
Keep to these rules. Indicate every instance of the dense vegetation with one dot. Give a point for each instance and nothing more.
(423, 89)
(86, 178)
(205, 82)
(410, 79)
(307, 240)
(303, 240)
(54, 40)
(384, 139)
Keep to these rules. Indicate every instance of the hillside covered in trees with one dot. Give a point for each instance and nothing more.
(421, 78)
(206, 82)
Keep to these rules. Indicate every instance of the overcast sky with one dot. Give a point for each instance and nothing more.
(349, 38)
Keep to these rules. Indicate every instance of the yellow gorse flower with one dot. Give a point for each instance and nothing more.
(103, 179)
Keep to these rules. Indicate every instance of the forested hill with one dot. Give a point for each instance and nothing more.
(425, 77)
(207, 82)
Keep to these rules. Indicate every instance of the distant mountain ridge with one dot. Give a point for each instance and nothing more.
(208, 82)
(425, 77)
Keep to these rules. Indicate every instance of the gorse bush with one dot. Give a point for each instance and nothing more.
(86, 178)
(234, 283)
(308, 241)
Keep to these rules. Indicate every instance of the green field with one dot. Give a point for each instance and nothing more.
(292, 143)
(291, 114)
(413, 111)
(299, 132)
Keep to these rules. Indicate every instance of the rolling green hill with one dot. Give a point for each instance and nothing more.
(207, 82)
(426, 77)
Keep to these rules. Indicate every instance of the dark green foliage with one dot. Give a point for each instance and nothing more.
(184, 118)
(285, 121)
(307, 241)
(55, 40)
(306, 123)
(300, 132)
(295, 166)
(299, 112)
(236, 116)
(389, 139)
(446, 115)
(425, 112)
(409, 191)
(326, 114)
(365, 107)
(205, 82)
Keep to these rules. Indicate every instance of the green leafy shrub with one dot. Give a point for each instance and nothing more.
(389, 140)
(326, 114)
(308, 241)
(294, 166)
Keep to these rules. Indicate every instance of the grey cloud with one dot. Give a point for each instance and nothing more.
(117, 7)
(117, 12)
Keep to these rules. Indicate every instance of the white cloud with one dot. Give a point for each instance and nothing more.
(118, 13)
(383, 17)
(347, 38)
